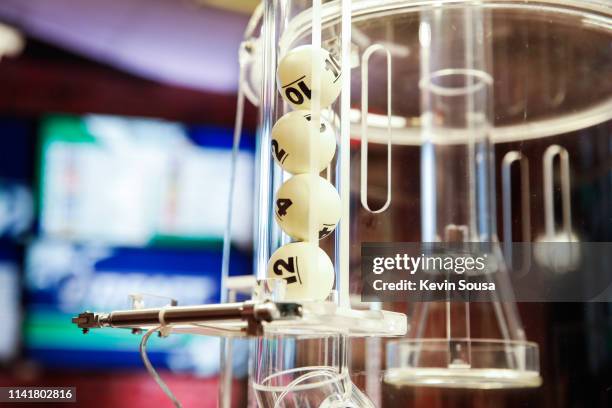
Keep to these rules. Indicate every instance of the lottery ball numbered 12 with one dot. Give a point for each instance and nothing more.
(292, 206)
(294, 76)
(291, 142)
(306, 268)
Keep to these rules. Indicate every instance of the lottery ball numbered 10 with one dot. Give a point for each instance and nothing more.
(294, 76)
(292, 206)
(291, 142)
(306, 268)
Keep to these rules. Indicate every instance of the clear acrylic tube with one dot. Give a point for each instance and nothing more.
(297, 371)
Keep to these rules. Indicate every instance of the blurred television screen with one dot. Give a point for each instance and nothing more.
(131, 206)
(64, 278)
(17, 146)
(139, 182)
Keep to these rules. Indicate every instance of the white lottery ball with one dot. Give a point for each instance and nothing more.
(292, 206)
(306, 268)
(294, 76)
(291, 142)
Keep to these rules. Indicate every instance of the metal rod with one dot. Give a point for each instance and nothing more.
(246, 311)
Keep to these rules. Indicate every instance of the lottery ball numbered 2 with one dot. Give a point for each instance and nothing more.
(292, 206)
(306, 268)
(291, 142)
(294, 76)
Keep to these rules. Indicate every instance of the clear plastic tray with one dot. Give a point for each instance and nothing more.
(493, 364)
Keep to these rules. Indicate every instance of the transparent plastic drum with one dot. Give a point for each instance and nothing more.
(471, 121)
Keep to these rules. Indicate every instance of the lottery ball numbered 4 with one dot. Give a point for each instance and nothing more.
(294, 76)
(306, 268)
(292, 206)
(291, 142)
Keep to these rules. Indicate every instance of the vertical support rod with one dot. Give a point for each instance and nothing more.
(315, 123)
(225, 370)
(342, 236)
(263, 244)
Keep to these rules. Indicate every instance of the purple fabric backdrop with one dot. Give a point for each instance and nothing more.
(165, 40)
